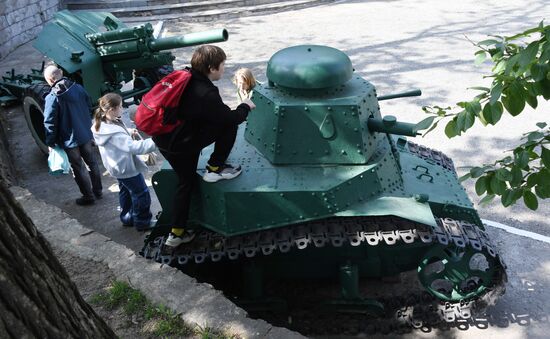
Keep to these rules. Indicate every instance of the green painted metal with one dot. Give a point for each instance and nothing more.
(389, 124)
(450, 273)
(101, 52)
(309, 67)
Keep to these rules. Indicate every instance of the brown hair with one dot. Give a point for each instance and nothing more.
(206, 57)
(107, 102)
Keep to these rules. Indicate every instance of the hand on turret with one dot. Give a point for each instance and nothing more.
(249, 103)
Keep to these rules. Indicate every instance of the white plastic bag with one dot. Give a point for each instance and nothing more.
(58, 162)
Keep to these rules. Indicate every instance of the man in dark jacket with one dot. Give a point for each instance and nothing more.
(207, 120)
(67, 119)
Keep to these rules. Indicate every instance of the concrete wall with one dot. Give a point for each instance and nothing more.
(22, 20)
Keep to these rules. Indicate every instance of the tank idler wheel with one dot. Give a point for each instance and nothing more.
(452, 273)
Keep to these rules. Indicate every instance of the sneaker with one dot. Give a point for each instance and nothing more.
(174, 240)
(217, 173)
(83, 201)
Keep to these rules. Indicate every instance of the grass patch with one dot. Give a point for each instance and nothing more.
(160, 321)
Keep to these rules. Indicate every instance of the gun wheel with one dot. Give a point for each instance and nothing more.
(33, 105)
(454, 273)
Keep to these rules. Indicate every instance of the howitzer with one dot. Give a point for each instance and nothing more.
(101, 53)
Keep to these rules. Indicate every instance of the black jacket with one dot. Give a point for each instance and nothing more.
(200, 104)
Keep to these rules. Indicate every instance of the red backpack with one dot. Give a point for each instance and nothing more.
(156, 114)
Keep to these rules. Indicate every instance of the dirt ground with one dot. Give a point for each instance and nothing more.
(92, 278)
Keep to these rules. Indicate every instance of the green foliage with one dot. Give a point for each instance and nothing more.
(521, 75)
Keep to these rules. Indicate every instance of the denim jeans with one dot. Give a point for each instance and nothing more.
(135, 202)
(89, 183)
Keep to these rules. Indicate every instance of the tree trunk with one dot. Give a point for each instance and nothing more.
(37, 297)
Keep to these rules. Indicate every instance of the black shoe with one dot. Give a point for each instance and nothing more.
(83, 201)
(98, 195)
(127, 225)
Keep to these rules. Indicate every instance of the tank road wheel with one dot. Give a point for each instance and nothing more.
(454, 273)
(33, 105)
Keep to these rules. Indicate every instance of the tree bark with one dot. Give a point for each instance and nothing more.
(37, 297)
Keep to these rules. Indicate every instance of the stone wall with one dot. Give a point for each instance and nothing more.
(22, 20)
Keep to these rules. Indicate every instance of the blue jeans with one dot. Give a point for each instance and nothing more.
(135, 202)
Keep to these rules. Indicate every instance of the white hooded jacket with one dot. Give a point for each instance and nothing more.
(119, 151)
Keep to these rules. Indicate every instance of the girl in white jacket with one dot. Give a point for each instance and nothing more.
(119, 155)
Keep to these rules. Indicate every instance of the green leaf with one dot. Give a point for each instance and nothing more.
(480, 88)
(545, 157)
(530, 200)
(522, 159)
(477, 171)
(513, 104)
(496, 109)
(538, 71)
(488, 42)
(514, 98)
(510, 64)
(473, 107)
(481, 185)
(497, 186)
(450, 129)
(480, 57)
(535, 136)
(541, 124)
(499, 67)
(487, 199)
(507, 198)
(503, 174)
(469, 119)
(543, 192)
(532, 100)
(496, 91)
(532, 180)
(424, 123)
(528, 54)
(544, 88)
(517, 176)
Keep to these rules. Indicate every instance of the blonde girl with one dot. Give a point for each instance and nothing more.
(119, 155)
(245, 82)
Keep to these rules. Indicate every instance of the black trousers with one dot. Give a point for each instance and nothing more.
(184, 156)
(89, 182)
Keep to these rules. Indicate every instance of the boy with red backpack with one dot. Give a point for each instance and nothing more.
(206, 120)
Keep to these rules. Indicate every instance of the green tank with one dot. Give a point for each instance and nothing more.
(331, 189)
(101, 53)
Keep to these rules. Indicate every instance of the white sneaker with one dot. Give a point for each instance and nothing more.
(174, 240)
(218, 173)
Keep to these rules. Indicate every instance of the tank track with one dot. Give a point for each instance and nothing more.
(355, 231)
(433, 155)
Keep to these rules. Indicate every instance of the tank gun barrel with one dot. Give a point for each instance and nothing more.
(413, 93)
(389, 124)
(191, 39)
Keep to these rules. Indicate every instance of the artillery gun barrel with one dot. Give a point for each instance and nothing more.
(389, 124)
(191, 39)
(413, 93)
